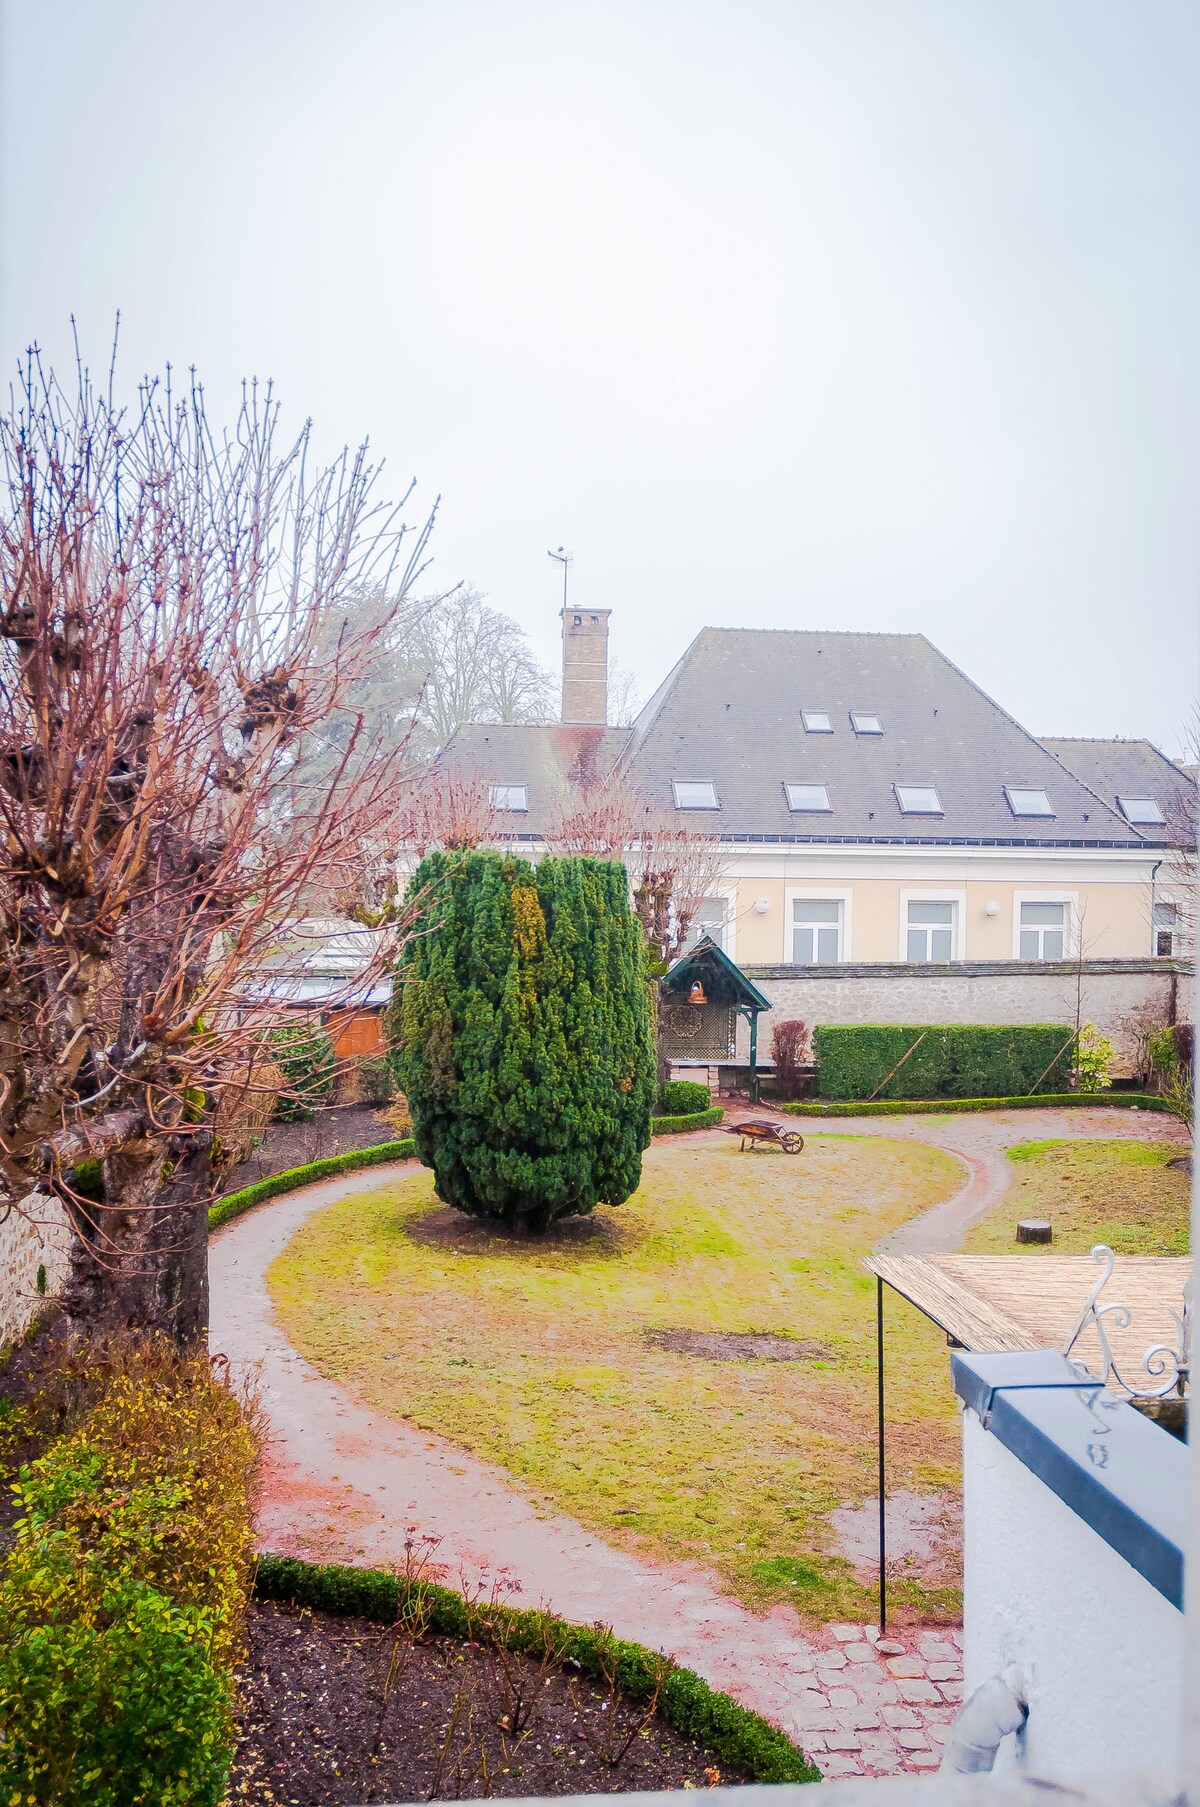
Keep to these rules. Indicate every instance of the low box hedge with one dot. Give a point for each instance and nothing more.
(951, 1060)
(687, 1702)
(900, 1107)
(683, 1098)
(234, 1203)
(677, 1126)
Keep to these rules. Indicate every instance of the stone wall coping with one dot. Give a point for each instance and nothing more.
(967, 969)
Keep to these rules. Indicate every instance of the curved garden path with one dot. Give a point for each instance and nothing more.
(345, 1483)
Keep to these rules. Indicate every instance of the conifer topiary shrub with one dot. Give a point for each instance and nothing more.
(522, 1035)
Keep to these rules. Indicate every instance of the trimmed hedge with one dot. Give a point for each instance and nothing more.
(687, 1702)
(954, 1060)
(683, 1098)
(900, 1107)
(678, 1126)
(234, 1203)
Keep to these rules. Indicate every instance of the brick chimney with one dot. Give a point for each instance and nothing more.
(585, 666)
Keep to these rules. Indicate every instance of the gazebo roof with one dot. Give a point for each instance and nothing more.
(723, 982)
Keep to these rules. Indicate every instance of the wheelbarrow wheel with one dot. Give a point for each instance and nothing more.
(792, 1141)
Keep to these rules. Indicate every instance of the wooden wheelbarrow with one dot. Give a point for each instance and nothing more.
(760, 1129)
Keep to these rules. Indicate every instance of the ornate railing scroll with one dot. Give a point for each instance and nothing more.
(1167, 1368)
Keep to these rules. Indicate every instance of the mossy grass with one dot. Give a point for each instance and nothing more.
(547, 1355)
(293, 1178)
(713, 1720)
(903, 1107)
(1124, 1193)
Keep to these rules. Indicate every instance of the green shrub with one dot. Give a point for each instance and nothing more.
(687, 1702)
(1093, 1059)
(899, 1107)
(234, 1203)
(122, 1598)
(306, 1060)
(675, 1126)
(374, 1079)
(522, 1035)
(680, 1097)
(942, 1061)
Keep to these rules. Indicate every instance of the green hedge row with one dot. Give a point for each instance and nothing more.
(683, 1097)
(677, 1126)
(953, 1060)
(234, 1203)
(687, 1702)
(901, 1107)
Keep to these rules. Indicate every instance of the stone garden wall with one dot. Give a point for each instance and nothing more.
(1114, 994)
(33, 1236)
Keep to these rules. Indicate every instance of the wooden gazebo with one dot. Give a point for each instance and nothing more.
(703, 995)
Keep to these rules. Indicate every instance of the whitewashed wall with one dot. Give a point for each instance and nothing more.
(34, 1235)
(1101, 1650)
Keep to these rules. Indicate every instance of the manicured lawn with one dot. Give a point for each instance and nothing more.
(558, 1359)
(1123, 1193)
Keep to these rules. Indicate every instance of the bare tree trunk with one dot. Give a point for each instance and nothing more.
(143, 1266)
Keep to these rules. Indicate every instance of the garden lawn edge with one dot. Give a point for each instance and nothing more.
(678, 1126)
(293, 1178)
(912, 1107)
(687, 1702)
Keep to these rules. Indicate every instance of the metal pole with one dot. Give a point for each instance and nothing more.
(882, 1472)
(753, 1015)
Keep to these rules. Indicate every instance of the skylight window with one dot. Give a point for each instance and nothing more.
(695, 793)
(918, 800)
(1025, 802)
(865, 721)
(808, 796)
(1143, 811)
(816, 721)
(508, 796)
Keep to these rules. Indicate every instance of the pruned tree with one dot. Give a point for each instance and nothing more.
(173, 635)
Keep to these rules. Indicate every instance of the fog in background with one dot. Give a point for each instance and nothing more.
(821, 314)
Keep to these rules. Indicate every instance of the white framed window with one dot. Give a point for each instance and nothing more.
(817, 927)
(866, 721)
(1143, 812)
(716, 917)
(931, 924)
(1025, 801)
(508, 796)
(1044, 925)
(807, 797)
(816, 721)
(1168, 922)
(695, 793)
(918, 800)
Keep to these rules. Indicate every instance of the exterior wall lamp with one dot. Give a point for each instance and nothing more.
(762, 905)
(991, 909)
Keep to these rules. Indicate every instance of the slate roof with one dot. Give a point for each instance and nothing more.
(1132, 768)
(546, 759)
(730, 711)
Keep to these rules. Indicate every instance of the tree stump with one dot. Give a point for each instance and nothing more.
(1034, 1229)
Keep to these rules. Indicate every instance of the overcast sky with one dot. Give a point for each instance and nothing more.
(863, 314)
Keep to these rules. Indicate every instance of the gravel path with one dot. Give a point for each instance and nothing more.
(345, 1483)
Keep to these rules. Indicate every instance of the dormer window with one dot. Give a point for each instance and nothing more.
(865, 721)
(1143, 812)
(695, 793)
(816, 721)
(1026, 802)
(918, 800)
(805, 797)
(508, 796)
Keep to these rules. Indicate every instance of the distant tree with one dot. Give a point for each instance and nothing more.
(522, 1037)
(470, 663)
(165, 662)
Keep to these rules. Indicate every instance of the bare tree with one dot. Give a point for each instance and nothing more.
(471, 664)
(624, 699)
(166, 657)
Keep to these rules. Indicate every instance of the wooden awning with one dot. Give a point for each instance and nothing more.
(995, 1302)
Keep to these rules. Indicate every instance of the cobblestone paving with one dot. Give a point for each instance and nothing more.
(880, 1706)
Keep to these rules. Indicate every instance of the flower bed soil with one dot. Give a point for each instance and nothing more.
(339, 1710)
(286, 1145)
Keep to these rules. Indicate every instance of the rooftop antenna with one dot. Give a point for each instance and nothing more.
(566, 560)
